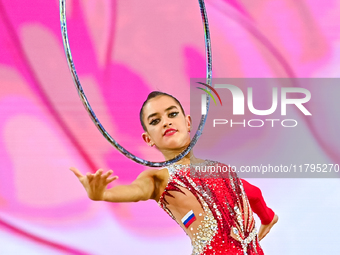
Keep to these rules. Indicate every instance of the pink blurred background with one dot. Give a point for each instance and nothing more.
(122, 51)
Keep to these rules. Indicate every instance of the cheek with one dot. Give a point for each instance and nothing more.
(184, 126)
(155, 133)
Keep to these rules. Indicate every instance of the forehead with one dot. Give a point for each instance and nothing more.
(159, 104)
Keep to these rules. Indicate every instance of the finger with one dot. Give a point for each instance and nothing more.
(89, 176)
(76, 172)
(98, 173)
(111, 179)
(97, 176)
(261, 236)
(107, 174)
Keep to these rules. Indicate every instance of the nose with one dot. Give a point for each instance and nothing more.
(166, 122)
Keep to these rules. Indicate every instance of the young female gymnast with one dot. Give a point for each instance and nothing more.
(216, 213)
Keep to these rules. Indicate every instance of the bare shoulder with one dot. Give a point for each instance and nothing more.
(159, 178)
(147, 173)
(162, 173)
(158, 175)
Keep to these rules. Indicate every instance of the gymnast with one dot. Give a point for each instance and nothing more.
(216, 213)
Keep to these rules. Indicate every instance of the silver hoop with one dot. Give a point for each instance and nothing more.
(94, 117)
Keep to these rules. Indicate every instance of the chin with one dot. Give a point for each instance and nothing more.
(175, 145)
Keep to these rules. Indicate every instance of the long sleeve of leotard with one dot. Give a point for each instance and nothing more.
(257, 203)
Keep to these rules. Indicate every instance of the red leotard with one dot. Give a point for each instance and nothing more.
(223, 221)
(257, 203)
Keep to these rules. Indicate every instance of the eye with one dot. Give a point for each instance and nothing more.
(154, 122)
(173, 114)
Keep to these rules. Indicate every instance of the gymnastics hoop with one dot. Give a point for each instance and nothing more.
(94, 117)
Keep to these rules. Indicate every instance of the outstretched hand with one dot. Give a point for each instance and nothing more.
(95, 184)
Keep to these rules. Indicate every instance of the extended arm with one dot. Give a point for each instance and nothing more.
(143, 188)
(96, 186)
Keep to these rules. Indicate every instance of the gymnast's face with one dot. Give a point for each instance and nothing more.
(167, 127)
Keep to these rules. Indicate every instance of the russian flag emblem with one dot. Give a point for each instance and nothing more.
(188, 219)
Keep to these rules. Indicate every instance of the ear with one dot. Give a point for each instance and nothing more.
(188, 122)
(147, 139)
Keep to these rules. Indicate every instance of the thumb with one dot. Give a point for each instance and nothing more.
(76, 172)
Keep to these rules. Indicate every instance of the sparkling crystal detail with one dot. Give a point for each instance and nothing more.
(223, 203)
(235, 231)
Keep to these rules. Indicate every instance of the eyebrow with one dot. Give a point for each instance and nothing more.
(167, 109)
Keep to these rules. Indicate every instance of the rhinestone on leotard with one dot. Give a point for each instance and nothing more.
(224, 205)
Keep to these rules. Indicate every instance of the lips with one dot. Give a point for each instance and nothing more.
(169, 132)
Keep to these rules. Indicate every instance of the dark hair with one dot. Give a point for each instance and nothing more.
(154, 94)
